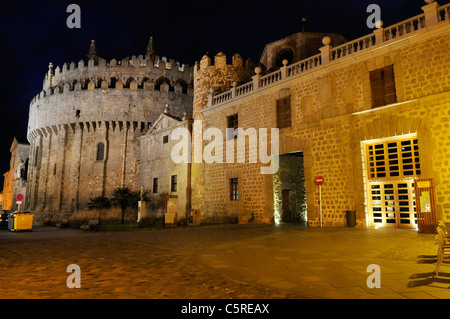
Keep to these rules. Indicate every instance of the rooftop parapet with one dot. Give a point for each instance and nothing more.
(433, 15)
(220, 61)
(97, 65)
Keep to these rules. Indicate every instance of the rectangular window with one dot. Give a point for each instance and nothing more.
(155, 185)
(284, 112)
(174, 183)
(393, 159)
(165, 139)
(234, 189)
(233, 123)
(382, 84)
(36, 156)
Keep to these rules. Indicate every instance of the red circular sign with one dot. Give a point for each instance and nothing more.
(19, 197)
(319, 180)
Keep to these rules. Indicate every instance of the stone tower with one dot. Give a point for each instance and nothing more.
(208, 78)
(83, 126)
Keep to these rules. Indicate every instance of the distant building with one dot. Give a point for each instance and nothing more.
(15, 180)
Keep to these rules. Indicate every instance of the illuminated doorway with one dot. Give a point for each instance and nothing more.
(391, 167)
(289, 189)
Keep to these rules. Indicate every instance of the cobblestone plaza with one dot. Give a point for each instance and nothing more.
(219, 262)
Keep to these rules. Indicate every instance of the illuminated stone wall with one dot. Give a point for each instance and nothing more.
(331, 115)
(86, 104)
(156, 162)
(220, 76)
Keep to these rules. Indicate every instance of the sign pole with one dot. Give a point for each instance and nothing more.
(320, 204)
(19, 198)
(319, 182)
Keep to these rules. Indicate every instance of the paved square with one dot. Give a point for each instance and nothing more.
(224, 261)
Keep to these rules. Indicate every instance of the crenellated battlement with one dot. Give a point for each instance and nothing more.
(139, 69)
(133, 89)
(220, 61)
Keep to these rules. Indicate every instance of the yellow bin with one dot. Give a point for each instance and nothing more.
(23, 221)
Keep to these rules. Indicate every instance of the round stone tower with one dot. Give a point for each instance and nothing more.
(212, 78)
(83, 126)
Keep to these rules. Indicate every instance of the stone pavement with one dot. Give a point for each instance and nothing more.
(224, 261)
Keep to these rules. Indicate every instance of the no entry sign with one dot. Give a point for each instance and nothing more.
(319, 180)
(19, 197)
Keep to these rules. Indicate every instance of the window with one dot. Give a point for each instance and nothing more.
(233, 123)
(383, 86)
(36, 156)
(284, 112)
(100, 152)
(284, 54)
(155, 185)
(165, 139)
(234, 189)
(394, 158)
(174, 183)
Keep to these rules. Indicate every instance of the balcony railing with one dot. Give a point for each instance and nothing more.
(432, 15)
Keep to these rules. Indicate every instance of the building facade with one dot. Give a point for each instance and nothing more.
(15, 180)
(84, 123)
(166, 181)
(370, 116)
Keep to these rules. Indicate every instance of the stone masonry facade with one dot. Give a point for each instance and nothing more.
(332, 117)
(99, 125)
(84, 124)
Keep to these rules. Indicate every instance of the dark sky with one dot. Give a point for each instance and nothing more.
(32, 34)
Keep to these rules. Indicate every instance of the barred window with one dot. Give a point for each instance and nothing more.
(394, 158)
(174, 183)
(234, 189)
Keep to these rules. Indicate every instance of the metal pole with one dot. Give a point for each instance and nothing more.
(320, 204)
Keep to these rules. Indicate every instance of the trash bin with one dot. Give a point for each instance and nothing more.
(351, 218)
(21, 221)
(11, 221)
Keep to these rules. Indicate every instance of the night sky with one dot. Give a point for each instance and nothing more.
(34, 33)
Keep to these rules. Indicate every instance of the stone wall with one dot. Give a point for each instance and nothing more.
(332, 115)
(219, 77)
(156, 162)
(82, 106)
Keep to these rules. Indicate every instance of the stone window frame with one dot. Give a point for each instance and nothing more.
(155, 185)
(235, 124)
(172, 183)
(36, 157)
(234, 204)
(382, 86)
(99, 151)
(234, 189)
(281, 94)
